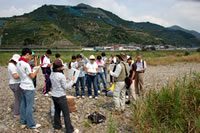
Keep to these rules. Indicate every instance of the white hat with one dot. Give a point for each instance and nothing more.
(92, 57)
(15, 57)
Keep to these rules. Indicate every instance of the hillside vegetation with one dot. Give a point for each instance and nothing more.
(86, 26)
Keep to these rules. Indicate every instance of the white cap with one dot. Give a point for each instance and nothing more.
(15, 57)
(92, 57)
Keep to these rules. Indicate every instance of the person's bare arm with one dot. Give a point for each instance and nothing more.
(33, 75)
(15, 76)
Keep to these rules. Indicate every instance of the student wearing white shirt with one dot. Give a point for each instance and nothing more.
(139, 76)
(14, 83)
(45, 64)
(92, 69)
(26, 75)
(119, 75)
(73, 62)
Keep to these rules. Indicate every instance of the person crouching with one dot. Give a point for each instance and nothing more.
(59, 86)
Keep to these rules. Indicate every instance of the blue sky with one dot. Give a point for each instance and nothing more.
(185, 13)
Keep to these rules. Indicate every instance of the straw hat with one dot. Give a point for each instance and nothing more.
(122, 56)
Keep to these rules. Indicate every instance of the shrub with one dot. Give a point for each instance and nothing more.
(186, 53)
(198, 50)
(173, 109)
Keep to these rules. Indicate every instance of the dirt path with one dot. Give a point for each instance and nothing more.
(155, 77)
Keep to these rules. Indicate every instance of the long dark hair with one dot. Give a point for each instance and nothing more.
(12, 61)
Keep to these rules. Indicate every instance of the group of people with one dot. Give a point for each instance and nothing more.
(93, 71)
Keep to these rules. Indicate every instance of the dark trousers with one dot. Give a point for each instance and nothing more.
(60, 104)
(92, 80)
(82, 81)
(47, 85)
(34, 81)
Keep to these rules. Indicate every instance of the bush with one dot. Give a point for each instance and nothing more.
(186, 53)
(198, 50)
(173, 109)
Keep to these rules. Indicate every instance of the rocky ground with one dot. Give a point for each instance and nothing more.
(155, 77)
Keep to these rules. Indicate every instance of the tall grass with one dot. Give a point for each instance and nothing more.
(175, 108)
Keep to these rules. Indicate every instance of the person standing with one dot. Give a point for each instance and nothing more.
(105, 60)
(112, 60)
(92, 69)
(81, 77)
(140, 66)
(59, 86)
(14, 83)
(119, 75)
(73, 62)
(131, 90)
(100, 74)
(26, 75)
(33, 63)
(45, 64)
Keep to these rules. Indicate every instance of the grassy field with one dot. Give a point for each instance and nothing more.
(173, 109)
(153, 58)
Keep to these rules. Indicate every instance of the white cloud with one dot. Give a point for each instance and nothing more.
(17, 11)
(11, 11)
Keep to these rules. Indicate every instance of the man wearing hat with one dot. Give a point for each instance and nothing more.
(120, 73)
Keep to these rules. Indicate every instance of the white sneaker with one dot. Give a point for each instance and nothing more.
(83, 97)
(96, 98)
(76, 131)
(78, 97)
(99, 91)
(46, 95)
(36, 126)
(90, 97)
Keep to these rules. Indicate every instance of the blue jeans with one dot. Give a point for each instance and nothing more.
(101, 76)
(92, 80)
(86, 80)
(82, 81)
(105, 72)
(26, 108)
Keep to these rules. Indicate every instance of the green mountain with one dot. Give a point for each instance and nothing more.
(195, 33)
(85, 25)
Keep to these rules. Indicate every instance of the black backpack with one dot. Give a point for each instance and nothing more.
(96, 118)
(127, 79)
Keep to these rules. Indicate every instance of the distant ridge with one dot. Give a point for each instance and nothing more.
(84, 25)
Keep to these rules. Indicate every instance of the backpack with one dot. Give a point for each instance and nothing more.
(96, 118)
(127, 79)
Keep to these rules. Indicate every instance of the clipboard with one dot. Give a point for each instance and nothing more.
(73, 72)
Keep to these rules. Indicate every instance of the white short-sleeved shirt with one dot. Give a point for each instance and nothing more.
(12, 69)
(46, 60)
(24, 70)
(92, 68)
(74, 64)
